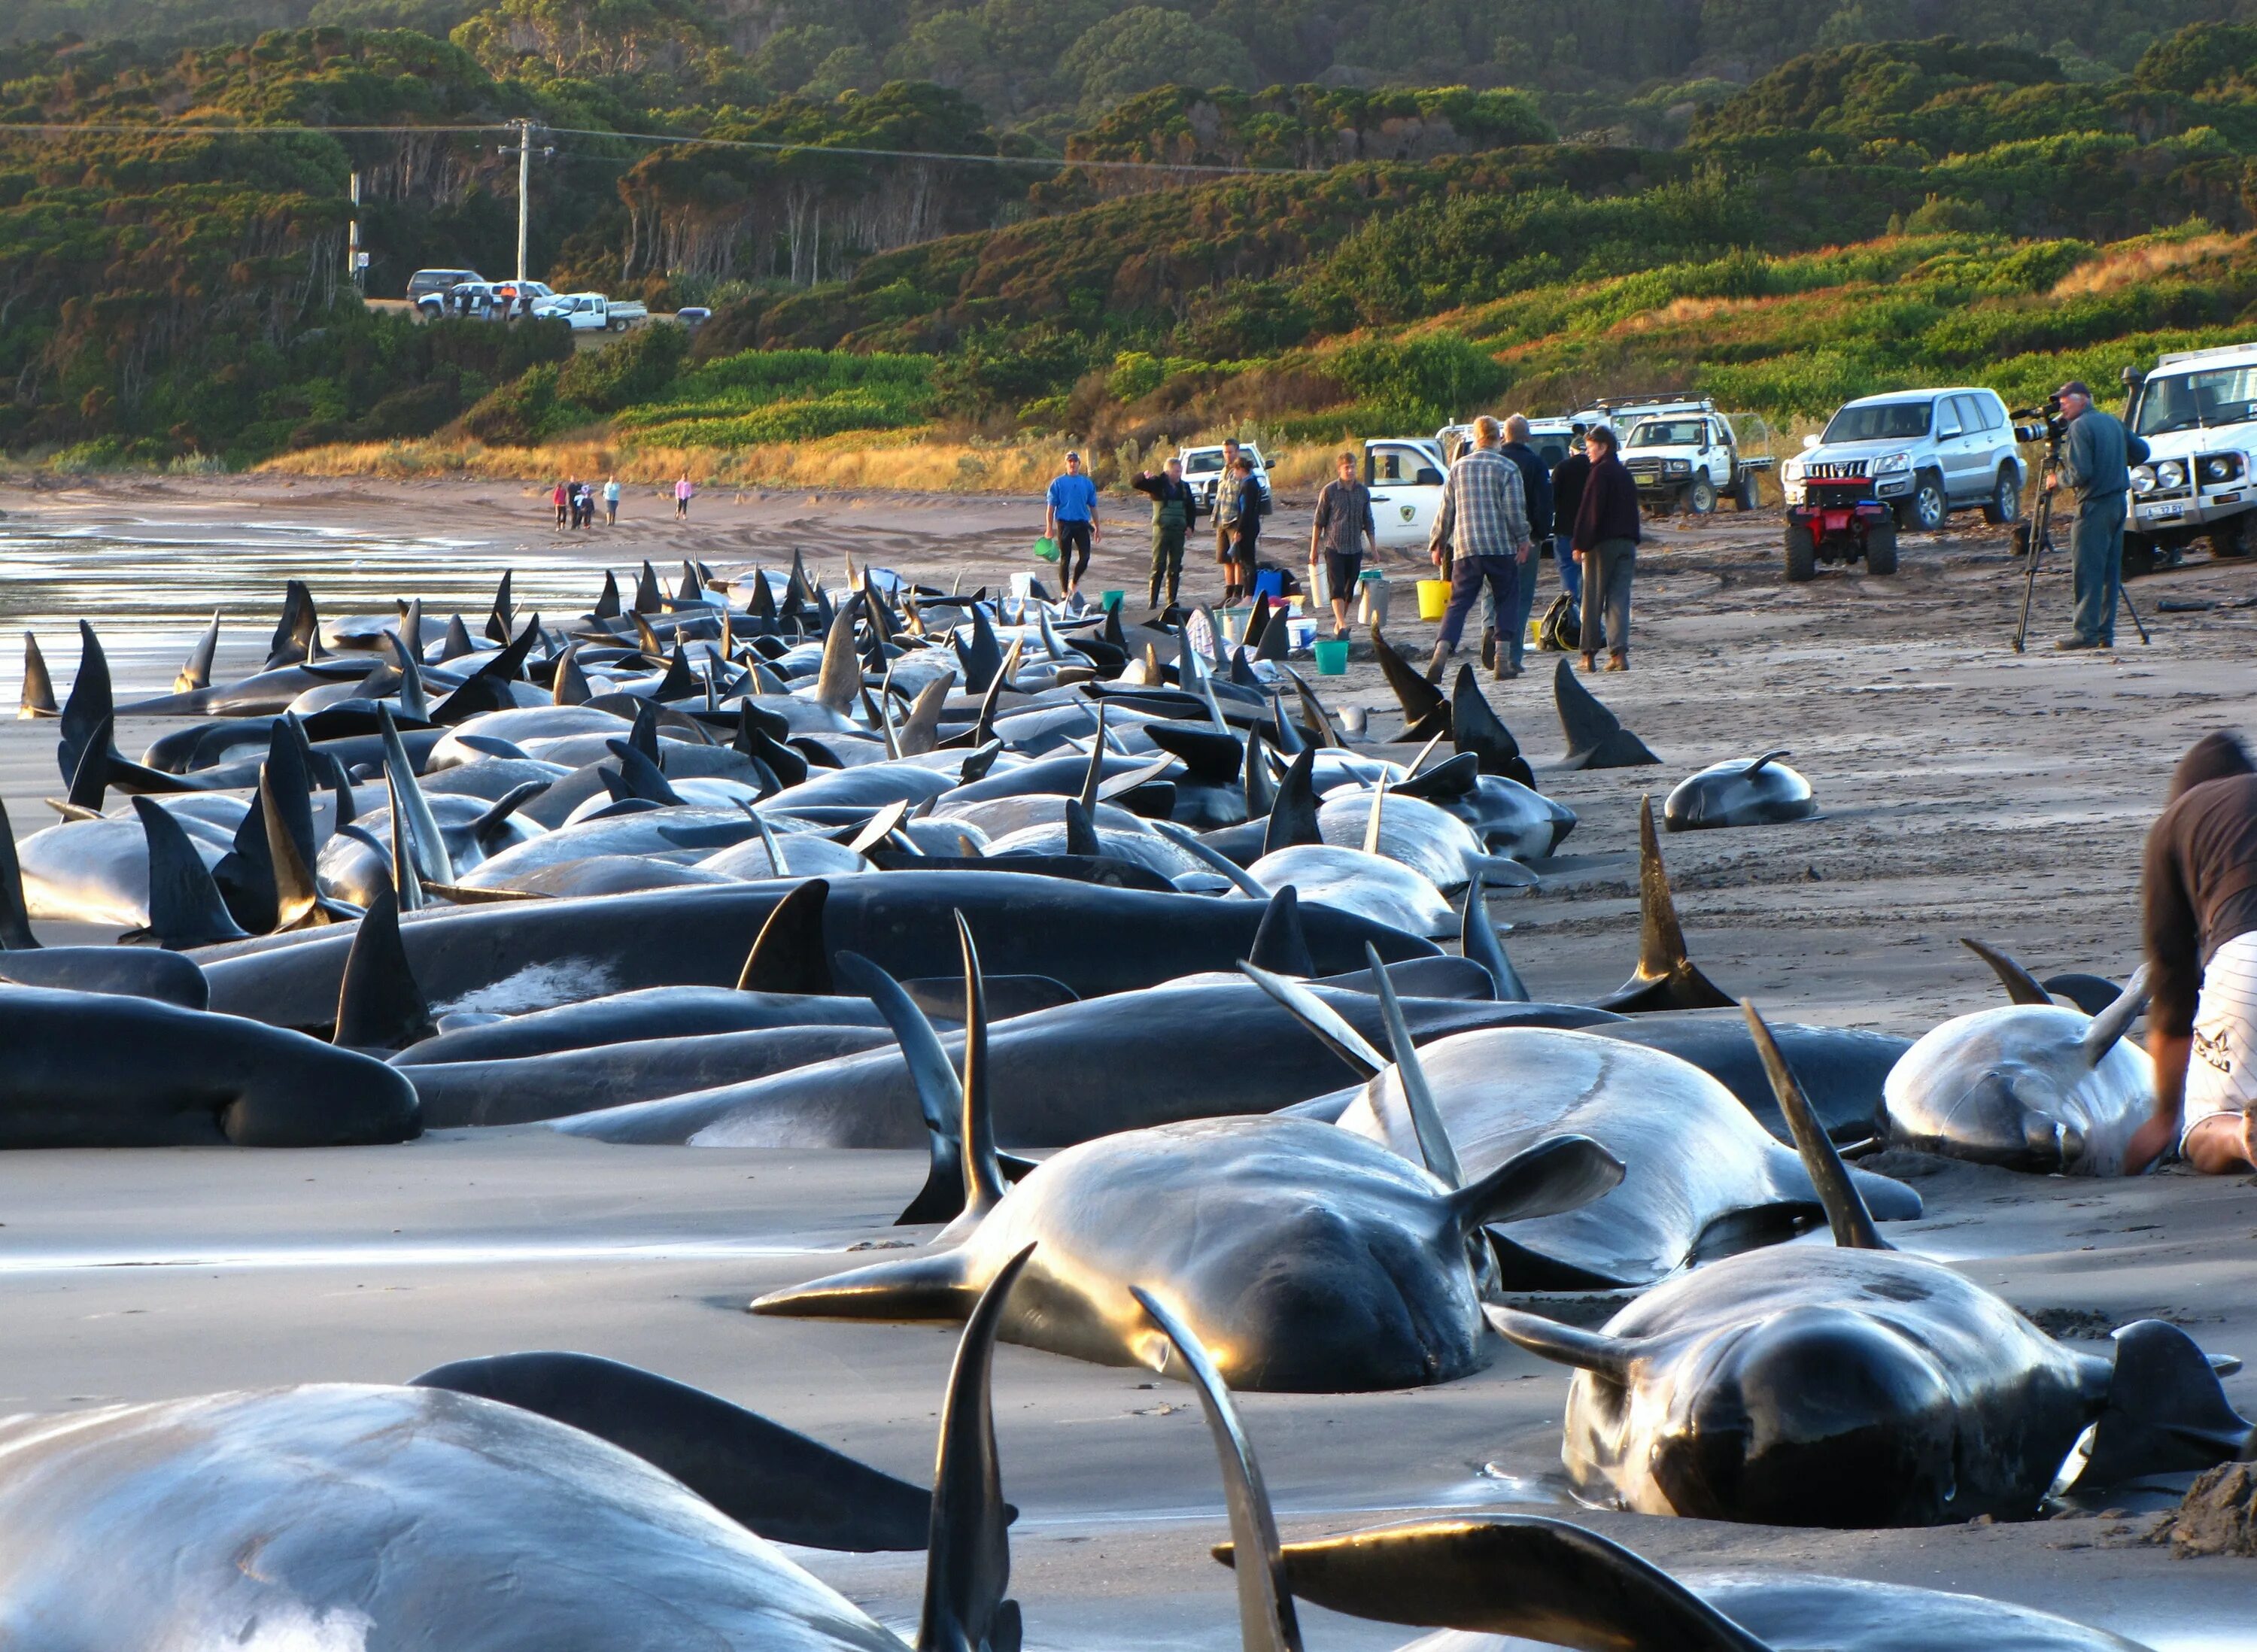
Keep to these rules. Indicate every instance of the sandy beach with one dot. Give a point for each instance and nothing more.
(1964, 791)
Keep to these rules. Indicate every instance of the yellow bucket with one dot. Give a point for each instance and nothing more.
(1434, 598)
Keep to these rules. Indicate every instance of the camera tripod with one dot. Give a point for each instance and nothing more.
(2041, 539)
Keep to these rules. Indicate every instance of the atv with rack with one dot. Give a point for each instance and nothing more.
(1839, 521)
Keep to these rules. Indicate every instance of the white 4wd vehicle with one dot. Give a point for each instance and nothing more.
(1203, 468)
(1926, 453)
(2197, 413)
(1553, 438)
(1405, 475)
(1683, 456)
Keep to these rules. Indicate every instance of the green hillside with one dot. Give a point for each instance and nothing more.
(1867, 215)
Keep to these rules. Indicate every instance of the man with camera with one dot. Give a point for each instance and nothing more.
(2095, 461)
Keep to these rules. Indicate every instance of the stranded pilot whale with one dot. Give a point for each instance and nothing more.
(1508, 1580)
(535, 1503)
(1318, 1262)
(2030, 1085)
(1857, 1386)
(1739, 793)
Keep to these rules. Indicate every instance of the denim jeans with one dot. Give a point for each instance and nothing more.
(1468, 576)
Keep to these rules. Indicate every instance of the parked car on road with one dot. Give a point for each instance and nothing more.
(427, 288)
(592, 312)
(1925, 452)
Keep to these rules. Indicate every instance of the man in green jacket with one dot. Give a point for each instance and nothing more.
(1173, 506)
(2094, 461)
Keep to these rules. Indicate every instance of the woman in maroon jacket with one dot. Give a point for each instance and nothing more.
(1606, 545)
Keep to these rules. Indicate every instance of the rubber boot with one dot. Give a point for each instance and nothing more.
(1442, 651)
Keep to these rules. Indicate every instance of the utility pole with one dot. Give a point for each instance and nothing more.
(355, 257)
(524, 188)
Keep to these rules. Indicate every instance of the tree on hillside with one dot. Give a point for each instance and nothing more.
(1146, 46)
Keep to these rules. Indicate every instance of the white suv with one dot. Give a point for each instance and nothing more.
(1927, 452)
(1203, 468)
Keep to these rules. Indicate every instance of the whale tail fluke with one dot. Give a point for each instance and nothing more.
(2164, 1412)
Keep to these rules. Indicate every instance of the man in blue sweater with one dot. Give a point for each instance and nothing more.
(1070, 517)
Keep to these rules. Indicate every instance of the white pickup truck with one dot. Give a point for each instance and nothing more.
(1405, 475)
(1682, 454)
(592, 312)
(2197, 412)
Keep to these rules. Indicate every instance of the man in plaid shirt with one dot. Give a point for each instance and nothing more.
(1480, 536)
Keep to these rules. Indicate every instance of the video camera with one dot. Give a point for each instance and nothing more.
(2042, 424)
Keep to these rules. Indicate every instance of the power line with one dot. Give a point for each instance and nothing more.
(147, 129)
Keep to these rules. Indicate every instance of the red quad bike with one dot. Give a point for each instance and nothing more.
(1838, 521)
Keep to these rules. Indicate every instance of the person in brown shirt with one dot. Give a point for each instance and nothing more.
(2198, 889)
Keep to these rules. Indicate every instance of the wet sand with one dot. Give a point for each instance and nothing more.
(1965, 791)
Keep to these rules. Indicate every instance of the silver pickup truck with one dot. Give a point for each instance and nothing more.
(1926, 453)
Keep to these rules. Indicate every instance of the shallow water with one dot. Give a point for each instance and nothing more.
(150, 587)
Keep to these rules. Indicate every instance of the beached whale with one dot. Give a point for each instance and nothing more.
(2031, 1085)
(1764, 792)
(1318, 1261)
(1857, 1386)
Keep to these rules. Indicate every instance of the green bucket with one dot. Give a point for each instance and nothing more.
(1110, 599)
(1331, 656)
(1046, 548)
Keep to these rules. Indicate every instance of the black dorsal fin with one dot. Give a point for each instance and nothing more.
(1289, 742)
(607, 605)
(2111, 1023)
(919, 730)
(91, 778)
(788, 955)
(185, 909)
(678, 683)
(379, 1006)
(1080, 832)
(1666, 978)
(640, 776)
(503, 613)
(1476, 729)
(569, 684)
(648, 597)
(1425, 713)
(968, 1553)
(1427, 1126)
(39, 696)
(1595, 737)
(1321, 1018)
(2021, 986)
(90, 708)
(1478, 940)
(1260, 788)
(1320, 720)
(1280, 944)
(412, 702)
(1768, 758)
(195, 673)
(426, 843)
(983, 1173)
(411, 628)
(1293, 809)
(455, 642)
(294, 631)
(407, 881)
(486, 830)
(15, 913)
(1266, 1619)
(1094, 777)
(1852, 1224)
(288, 810)
(1524, 1576)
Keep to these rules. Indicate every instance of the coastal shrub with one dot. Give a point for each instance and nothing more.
(1421, 381)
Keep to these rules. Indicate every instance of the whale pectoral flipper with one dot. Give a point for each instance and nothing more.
(1520, 1574)
(2111, 1023)
(1478, 940)
(1563, 1173)
(968, 1546)
(1666, 978)
(2163, 1412)
(1591, 1350)
(1321, 1018)
(1266, 1619)
(2021, 986)
(917, 1288)
(768, 1478)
